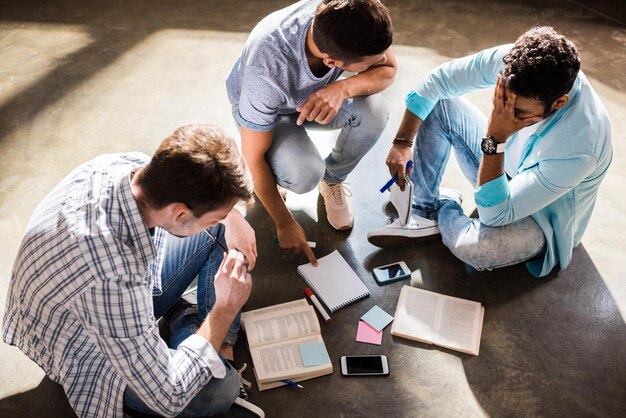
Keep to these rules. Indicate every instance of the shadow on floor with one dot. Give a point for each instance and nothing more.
(46, 400)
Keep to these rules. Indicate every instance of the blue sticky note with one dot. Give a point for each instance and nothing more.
(314, 354)
(377, 318)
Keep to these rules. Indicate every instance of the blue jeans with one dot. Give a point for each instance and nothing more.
(295, 161)
(186, 258)
(457, 124)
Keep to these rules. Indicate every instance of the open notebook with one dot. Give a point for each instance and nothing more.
(334, 281)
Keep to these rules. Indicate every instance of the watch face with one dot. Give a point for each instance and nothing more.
(488, 146)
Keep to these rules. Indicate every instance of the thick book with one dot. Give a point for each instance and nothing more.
(274, 335)
(334, 281)
(438, 319)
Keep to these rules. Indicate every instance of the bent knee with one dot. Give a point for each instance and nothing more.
(302, 181)
(374, 108)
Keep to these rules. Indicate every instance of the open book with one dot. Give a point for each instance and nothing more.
(442, 320)
(274, 336)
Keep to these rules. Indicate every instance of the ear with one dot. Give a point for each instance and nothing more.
(560, 102)
(330, 62)
(178, 212)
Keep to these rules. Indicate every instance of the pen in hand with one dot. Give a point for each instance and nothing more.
(222, 246)
(395, 177)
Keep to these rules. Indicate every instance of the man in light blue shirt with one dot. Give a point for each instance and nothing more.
(537, 163)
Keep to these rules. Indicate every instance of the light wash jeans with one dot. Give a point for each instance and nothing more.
(184, 259)
(457, 124)
(295, 161)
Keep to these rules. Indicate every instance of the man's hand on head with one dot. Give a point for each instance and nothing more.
(503, 123)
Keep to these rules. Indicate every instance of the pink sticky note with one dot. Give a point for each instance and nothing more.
(367, 334)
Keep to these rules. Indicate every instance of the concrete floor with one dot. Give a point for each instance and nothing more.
(77, 81)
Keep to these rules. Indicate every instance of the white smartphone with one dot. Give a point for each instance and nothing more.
(366, 365)
(391, 272)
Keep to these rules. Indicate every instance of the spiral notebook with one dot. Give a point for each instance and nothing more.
(334, 281)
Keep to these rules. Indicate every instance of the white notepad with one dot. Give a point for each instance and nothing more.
(334, 281)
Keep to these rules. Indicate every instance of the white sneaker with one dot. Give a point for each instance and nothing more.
(395, 235)
(338, 207)
(450, 194)
(243, 408)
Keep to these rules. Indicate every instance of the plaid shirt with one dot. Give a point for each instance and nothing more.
(80, 298)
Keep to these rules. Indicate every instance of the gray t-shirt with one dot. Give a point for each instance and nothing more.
(272, 77)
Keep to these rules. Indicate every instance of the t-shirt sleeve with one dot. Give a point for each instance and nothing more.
(259, 100)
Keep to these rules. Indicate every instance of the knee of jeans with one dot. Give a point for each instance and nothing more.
(303, 180)
(374, 109)
(472, 254)
(466, 246)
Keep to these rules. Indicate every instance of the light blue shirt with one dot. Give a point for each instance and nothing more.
(562, 164)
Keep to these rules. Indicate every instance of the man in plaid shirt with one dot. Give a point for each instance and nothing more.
(110, 250)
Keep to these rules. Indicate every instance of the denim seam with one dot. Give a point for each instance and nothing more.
(340, 151)
(184, 266)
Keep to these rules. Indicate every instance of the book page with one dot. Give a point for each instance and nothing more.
(416, 314)
(280, 323)
(283, 360)
(460, 326)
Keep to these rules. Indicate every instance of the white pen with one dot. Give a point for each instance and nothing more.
(317, 304)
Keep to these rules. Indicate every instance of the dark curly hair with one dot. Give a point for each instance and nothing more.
(350, 30)
(542, 65)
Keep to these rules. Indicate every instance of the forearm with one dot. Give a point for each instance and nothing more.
(368, 82)
(267, 192)
(373, 80)
(409, 126)
(491, 167)
(216, 325)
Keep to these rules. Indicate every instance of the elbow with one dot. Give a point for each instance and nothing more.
(494, 219)
(162, 403)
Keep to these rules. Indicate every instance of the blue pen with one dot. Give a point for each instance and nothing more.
(395, 177)
(292, 383)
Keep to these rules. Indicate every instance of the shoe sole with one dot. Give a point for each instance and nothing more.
(392, 241)
(342, 228)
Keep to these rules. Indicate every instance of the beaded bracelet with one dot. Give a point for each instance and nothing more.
(403, 141)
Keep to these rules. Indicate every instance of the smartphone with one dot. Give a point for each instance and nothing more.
(391, 273)
(366, 365)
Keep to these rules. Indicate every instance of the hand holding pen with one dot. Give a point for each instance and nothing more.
(222, 246)
(407, 171)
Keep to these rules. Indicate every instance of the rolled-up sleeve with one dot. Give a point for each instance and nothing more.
(456, 78)
(118, 315)
(501, 202)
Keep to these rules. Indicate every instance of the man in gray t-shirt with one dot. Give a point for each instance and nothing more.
(287, 78)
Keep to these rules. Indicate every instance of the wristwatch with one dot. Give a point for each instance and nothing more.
(491, 146)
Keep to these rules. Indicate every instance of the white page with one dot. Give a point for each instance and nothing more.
(274, 325)
(416, 314)
(282, 360)
(334, 281)
(459, 326)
